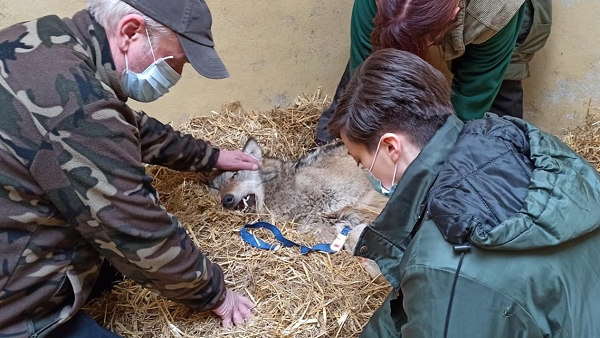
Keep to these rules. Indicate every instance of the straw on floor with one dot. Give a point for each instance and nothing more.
(585, 139)
(317, 295)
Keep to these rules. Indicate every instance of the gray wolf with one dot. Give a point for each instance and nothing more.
(324, 192)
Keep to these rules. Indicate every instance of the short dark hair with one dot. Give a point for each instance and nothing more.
(393, 91)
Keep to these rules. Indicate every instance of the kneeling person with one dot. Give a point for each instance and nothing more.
(493, 226)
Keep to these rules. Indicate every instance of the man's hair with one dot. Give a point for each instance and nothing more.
(412, 25)
(393, 91)
(108, 13)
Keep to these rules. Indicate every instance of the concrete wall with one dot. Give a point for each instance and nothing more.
(565, 80)
(276, 49)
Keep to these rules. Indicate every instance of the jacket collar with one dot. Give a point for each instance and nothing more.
(94, 40)
(387, 238)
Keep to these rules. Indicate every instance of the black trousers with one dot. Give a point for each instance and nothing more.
(83, 325)
(323, 135)
(508, 101)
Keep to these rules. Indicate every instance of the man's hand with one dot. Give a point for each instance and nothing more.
(235, 160)
(236, 308)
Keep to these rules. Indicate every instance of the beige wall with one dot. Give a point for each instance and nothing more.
(275, 49)
(566, 73)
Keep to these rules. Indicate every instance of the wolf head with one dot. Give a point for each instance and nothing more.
(243, 190)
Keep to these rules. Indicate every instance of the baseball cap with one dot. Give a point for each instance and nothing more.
(192, 21)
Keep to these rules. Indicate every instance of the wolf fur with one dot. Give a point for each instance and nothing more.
(324, 192)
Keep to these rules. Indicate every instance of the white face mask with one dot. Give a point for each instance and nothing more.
(375, 182)
(153, 82)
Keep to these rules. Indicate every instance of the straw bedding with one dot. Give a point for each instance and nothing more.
(317, 295)
(585, 139)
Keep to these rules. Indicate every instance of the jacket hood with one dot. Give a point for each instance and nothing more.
(562, 201)
(510, 186)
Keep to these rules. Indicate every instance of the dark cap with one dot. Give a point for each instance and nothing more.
(191, 20)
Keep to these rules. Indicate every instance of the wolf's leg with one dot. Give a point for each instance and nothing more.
(326, 229)
(351, 242)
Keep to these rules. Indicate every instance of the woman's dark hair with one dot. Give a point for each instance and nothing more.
(412, 25)
(393, 91)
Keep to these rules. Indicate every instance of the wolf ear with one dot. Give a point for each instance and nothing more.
(252, 148)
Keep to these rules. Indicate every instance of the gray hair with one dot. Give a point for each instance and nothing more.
(108, 13)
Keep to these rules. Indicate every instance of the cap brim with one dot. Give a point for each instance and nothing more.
(204, 59)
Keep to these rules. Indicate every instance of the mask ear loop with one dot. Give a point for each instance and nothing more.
(126, 62)
(151, 49)
(375, 157)
(150, 43)
(394, 177)
(376, 152)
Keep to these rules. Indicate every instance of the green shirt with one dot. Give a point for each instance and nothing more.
(361, 27)
(478, 74)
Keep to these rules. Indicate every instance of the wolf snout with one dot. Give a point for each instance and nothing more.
(228, 201)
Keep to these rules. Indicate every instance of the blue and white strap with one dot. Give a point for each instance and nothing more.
(258, 243)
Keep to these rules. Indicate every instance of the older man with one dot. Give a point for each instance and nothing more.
(73, 185)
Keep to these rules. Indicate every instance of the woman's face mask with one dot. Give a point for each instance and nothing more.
(375, 182)
(153, 82)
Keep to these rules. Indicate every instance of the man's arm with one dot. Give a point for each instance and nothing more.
(162, 145)
(479, 73)
(92, 171)
(361, 27)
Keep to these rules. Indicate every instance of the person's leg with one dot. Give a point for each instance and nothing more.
(323, 135)
(509, 100)
(81, 325)
(108, 277)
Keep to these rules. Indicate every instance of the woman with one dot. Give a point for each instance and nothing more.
(488, 44)
(492, 228)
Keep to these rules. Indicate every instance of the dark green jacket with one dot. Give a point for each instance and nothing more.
(525, 204)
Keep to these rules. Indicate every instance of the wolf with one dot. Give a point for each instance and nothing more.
(323, 192)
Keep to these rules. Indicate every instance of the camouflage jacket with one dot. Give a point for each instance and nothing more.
(73, 187)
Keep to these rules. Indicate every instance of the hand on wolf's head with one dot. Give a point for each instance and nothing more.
(236, 160)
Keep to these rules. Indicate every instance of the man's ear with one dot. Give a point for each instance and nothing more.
(253, 149)
(129, 29)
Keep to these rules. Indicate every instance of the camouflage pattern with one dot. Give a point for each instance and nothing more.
(73, 187)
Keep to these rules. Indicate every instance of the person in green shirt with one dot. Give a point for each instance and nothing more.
(487, 44)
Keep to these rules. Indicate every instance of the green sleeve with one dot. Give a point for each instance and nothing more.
(361, 26)
(479, 73)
